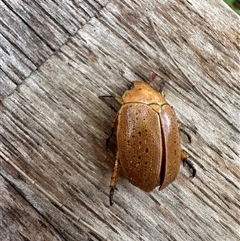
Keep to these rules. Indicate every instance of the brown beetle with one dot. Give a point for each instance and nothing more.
(148, 142)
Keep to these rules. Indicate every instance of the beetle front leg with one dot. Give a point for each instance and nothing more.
(186, 161)
(114, 180)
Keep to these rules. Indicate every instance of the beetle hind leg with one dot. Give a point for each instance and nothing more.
(185, 133)
(186, 161)
(114, 180)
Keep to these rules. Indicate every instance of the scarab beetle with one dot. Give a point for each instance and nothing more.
(148, 141)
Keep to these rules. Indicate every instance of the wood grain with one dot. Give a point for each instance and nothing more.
(57, 59)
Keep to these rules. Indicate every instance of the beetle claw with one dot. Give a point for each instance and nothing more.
(111, 193)
(191, 167)
(186, 133)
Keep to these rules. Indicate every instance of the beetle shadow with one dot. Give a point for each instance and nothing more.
(111, 102)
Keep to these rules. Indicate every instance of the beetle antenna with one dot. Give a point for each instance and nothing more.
(153, 77)
(121, 72)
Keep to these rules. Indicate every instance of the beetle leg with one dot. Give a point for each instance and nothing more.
(185, 132)
(119, 100)
(114, 180)
(186, 161)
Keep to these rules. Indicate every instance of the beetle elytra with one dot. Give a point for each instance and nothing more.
(148, 141)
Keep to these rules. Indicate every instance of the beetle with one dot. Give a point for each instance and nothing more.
(148, 140)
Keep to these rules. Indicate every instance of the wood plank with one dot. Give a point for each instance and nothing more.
(54, 126)
(32, 31)
(19, 219)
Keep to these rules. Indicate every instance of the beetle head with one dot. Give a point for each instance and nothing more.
(130, 85)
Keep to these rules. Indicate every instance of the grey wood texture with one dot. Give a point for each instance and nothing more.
(57, 58)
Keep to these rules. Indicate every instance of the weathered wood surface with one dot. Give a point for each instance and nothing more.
(57, 59)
